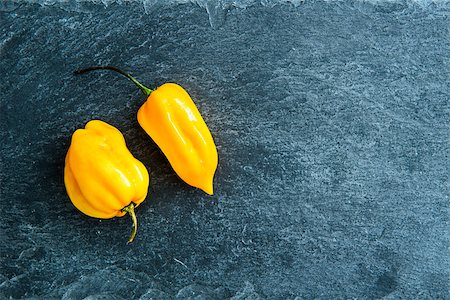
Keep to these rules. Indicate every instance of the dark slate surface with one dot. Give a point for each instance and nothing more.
(332, 130)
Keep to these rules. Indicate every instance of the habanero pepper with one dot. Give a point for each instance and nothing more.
(102, 178)
(171, 119)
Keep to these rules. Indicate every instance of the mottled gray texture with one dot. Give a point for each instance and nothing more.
(332, 131)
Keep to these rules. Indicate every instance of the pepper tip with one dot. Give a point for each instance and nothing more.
(208, 189)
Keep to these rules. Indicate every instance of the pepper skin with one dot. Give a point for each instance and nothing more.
(171, 119)
(102, 178)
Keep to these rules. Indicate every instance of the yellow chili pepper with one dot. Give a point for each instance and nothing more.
(173, 121)
(102, 178)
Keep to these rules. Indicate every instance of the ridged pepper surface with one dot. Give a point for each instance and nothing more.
(102, 178)
(173, 121)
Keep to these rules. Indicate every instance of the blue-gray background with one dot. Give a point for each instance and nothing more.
(331, 122)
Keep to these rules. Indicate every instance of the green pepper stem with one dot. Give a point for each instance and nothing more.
(130, 210)
(143, 88)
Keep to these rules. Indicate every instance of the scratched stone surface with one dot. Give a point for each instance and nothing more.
(331, 124)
